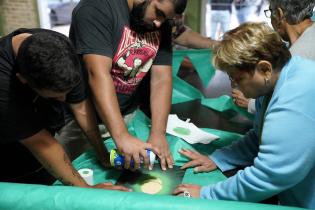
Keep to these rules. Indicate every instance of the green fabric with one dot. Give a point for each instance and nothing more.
(184, 92)
(224, 103)
(201, 60)
(139, 126)
(39, 197)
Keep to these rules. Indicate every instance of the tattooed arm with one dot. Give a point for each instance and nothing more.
(85, 116)
(53, 157)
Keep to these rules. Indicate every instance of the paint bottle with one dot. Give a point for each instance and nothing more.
(118, 160)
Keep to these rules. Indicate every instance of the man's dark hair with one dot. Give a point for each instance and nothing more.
(180, 6)
(295, 11)
(47, 60)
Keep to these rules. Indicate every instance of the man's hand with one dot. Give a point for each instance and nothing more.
(239, 98)
(133, 149)
(110, 186)
(162, 150)
(199, 162)
(192, 190)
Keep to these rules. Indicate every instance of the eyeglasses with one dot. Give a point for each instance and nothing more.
(234, 80)
(237, 77)
(231, 78)
(268, 13)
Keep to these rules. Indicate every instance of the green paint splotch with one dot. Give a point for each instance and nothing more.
(182, 131)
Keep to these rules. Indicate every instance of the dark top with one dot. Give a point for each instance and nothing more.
(178, 27)
(246, 3)
(102, 27)
(22, 112)
(221, 5)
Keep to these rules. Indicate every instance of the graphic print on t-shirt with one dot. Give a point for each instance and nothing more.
(133, 59)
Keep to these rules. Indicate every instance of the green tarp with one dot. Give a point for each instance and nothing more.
(140, 127)
(39, 197)
(184, 92)
(57, 197)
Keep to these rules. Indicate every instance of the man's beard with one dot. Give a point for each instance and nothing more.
(136, 18)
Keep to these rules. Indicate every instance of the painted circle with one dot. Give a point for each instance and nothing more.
(152, 187)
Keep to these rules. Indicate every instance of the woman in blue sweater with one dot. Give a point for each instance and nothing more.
(279, 153)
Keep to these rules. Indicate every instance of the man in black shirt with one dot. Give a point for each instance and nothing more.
(39, 71)
(119, 41)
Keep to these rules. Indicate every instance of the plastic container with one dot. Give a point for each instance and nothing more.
(118, 160)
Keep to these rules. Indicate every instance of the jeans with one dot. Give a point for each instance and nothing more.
(245, 13)
(73, 140)
(222, 18)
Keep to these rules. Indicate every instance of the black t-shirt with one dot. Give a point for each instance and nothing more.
(22, 112)
(221, 5)
(102, 27)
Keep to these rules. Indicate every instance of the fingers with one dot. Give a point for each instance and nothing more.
(191, 164)
(110, 186)
(166, 160)
(153, 149)
(180, 189)
(202, 169)
(236, 92)
(145, 158)
(136, 159)
(156, 151)
(235, 95)
(127, 161)
(163, 162)
(189, 153)
(120, 188)
(242, 103)
(193, 155)
(170, 160)
(106, 184)
(147, 145)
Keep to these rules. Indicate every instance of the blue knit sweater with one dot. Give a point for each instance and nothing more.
(284, 162)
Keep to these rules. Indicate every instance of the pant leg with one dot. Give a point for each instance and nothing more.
(246, 13)
(225, 21)
(105, 133)
(73, 140)
(241, 15)
(214, 23)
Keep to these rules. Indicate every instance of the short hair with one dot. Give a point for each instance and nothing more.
(47, 60)
(179, 6)
(243, 47)
(295, 11)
